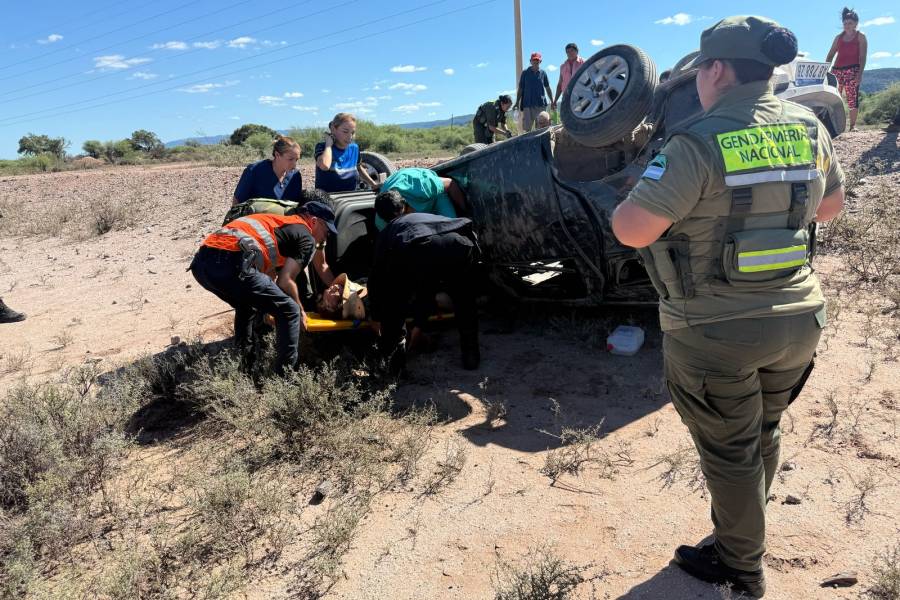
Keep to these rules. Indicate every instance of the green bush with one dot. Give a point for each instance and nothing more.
(883, 107)
(93, 148)
(260, 141)
(240, 135)
(389, 143)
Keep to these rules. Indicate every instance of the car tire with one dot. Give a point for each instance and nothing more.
(598, 113)
(472, 148)
(376, 164)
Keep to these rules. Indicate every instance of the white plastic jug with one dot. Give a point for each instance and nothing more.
(625, 340)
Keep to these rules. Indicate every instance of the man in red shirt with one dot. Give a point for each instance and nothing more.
(566, 71)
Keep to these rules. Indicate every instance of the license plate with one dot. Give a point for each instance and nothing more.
(809, 73)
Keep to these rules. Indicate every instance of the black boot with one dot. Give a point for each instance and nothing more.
(704, 563)
(8, 315)
(471, 355)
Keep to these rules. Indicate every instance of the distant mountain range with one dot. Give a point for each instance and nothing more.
(207, 140)
(875, 80)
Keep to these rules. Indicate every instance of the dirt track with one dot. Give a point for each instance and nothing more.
(125, 293)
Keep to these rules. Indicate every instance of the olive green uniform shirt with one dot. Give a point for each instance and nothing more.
(693, 175)
(489, 113)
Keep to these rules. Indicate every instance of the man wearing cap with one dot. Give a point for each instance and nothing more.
(723, 217)
(530, 98)
(572, 63)
(252, 263)
(490, 119)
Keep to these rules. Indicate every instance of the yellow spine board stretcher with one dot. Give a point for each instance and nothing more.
(318, 324)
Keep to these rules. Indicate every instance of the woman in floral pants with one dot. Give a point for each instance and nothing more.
(851, 47)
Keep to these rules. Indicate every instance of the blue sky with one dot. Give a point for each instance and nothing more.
(100, 70)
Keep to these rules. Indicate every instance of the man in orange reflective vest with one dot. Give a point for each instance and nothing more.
(252, 263)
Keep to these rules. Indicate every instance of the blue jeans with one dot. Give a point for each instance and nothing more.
(232, 277)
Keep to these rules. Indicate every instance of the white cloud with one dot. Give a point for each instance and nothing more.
(481, 65)
(879, 21)
(293, 94)
(202, 88)
(408, 108)
(305, 108)
(596, 42)
(358, 106)
(881, 55)
(384, 97)
(407, 69)
(897, 55)
(551, 68)
(208, 106)
(270, 43)
(143, 75)
(208, 45)
(235, 118)
(173, 45)
(117, 61)
(449, 71)
(410, 87)
(676, 19)
(53, 37)
(271, 100)
(325, 91)
(241, 42)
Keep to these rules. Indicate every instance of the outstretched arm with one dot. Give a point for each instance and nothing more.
(456, 194)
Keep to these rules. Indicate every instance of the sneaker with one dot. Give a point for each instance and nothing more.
(704, 563)
(8, 315)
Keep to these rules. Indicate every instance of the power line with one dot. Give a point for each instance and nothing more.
(56, 80)
(96, 37)
(293, 57)
(81, 17)
(226, 64)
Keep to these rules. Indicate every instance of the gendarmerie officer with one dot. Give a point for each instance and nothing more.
(722, 216)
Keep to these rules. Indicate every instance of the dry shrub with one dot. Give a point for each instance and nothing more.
(540, 575)
(578, 448)
(886, 576)
(682, 465)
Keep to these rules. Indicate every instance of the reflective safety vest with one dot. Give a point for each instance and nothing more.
(757, 232)
(255, 233)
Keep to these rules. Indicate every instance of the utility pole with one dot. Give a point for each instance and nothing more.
(517, 11)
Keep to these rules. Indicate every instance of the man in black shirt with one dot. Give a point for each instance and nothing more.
(252, 264)
(417, 255)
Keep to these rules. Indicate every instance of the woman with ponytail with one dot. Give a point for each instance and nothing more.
(851, 47)
(337, 157)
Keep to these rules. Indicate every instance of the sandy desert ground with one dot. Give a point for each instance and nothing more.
(114, 297)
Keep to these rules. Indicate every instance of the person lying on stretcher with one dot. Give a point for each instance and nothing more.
(343, 299)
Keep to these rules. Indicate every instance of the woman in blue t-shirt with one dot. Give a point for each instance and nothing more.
(276, 178)
(337, 157)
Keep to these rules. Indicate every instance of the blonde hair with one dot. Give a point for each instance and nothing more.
(341, 118)
(282, 144)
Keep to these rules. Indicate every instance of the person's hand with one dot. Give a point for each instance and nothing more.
(553, 105)
(304, 321)
(329, 139)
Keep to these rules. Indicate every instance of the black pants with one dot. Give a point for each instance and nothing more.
(483, 135)
(418, 271)
(232, 277)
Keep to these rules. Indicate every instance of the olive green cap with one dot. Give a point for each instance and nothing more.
(736, 37)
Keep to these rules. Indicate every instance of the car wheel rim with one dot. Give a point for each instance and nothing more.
(599, 87)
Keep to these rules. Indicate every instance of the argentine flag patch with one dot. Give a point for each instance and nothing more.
(656, 168)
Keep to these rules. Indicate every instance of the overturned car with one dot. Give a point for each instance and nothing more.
(541, 202)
